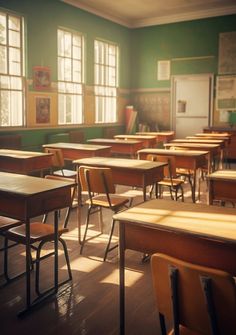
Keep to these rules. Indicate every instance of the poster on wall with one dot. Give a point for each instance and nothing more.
(163, 70)
(41, 78)
(227, 53)
(42, 110)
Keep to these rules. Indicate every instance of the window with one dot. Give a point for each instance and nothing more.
(70, 77)
(106, 63)
(11, 70)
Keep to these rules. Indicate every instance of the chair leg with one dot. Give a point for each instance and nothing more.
(86, 229)
(38, 259)
(109, 241)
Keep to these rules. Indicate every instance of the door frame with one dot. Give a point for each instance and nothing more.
(209, 76)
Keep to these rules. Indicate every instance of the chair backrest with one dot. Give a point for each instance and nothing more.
(192, 305)
(96, 180)
(57, 158)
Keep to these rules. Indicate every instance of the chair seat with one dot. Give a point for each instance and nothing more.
(7, 223)
(38, 231)
(101, 200)
(65, 173)
(184, 331)
(168, 182)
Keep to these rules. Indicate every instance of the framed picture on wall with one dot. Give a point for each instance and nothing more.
(41, 78)
(42, 110)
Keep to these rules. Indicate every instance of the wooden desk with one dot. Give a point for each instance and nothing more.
(120, 147)
(73, 151)
(161, 136)
(202, 234)
(185, 159)
(222, 186)
(24, 162)
(129, 172)
(148, 141)
(24, 197)
(213, 149)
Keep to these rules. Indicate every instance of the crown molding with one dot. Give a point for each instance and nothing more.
(189, 16)
(91, 10)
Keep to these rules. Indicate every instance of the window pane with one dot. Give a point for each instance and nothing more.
(67, 45)
(4, 82)
(14, 38)
(16, 83)
(14, 23)
(3, 59)
(68, 69)
(14, 61)
(3, 32)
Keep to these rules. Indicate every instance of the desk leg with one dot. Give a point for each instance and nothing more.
(56, 250)
(122, 277)
(28, 262)
(194, 185)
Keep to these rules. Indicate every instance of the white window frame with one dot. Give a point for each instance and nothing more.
(70, 79)
(12, 70)
(106, 81)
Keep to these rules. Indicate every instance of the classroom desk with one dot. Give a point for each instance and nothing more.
(128, 172)
(25, 197)
(221, 143)
(222, 186)
(24, 162)
(202, 234)
(161, 136)
(120, 147)
(213, 149)
(185, 159)
(73, 151)
(148, 140)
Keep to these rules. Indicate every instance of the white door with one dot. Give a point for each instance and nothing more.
(191, 103)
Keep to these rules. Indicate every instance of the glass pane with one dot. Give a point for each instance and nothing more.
(61, 108)
(60, 43)
(61, 87)
(112, 77)
(16, 108)
(4, 108)
(68, 70)
(61, 65)
(4, 82)
(76, 52)
(14, 38)
(77, 40)
(16, 83)
(2, 28)
(14, 61)
(14, 23)
(3, 59)
(76, 71)
(67, 44)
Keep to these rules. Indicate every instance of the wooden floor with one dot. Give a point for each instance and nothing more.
(89, 305)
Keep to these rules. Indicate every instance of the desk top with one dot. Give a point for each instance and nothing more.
(211, 222)
(228, 175)
(186, 153)
(192, 145)
(122, 163)
(27, 186)
(141, 137)
(19, 154)
(156, 133)
(75, 146)
(198, 140)
(214, 134)
(113, 141)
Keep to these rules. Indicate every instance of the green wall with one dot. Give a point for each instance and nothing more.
(179, 40)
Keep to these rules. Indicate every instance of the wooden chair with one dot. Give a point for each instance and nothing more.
(170, 179)
(99, 184)
(197, 300)
(7, 223)
(41, 233)
(59, 163)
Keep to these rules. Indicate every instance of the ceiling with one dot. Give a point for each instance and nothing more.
(141, 13)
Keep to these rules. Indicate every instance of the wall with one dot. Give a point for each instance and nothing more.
(192, 48)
